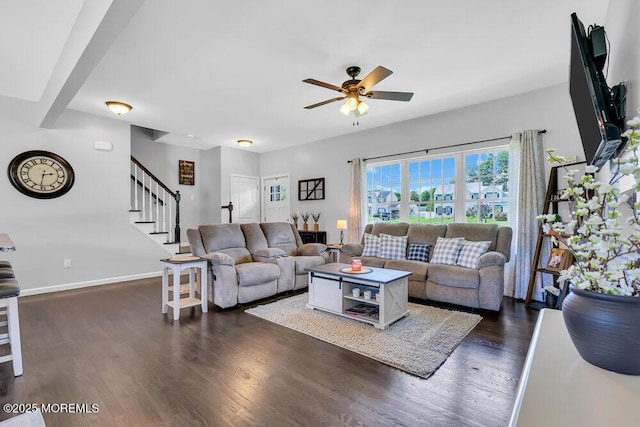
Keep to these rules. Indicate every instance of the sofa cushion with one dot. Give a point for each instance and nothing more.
(239, 255)
(426, 233)
(371, 246)
(471, 252)
(254, 237)
(393, 247)
(371, 261)
(446, 250)
(417, 252)
(256, 273)
(418, 269)
(304, 262)
(280, 235)
(454, 275)
(222, 236)
(391, 228)
(474, 232)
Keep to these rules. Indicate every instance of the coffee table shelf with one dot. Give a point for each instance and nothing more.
(331, 290)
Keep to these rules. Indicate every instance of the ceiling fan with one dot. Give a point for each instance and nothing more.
(353, 89)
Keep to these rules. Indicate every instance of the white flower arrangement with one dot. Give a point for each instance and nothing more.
(606, 261)
(294, 215)
(305, 216)
(315, 216)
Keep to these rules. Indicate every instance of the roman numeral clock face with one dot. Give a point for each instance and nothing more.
(41, 174)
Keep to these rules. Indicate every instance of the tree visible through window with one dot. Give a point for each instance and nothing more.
(426, 190)
(487, 186)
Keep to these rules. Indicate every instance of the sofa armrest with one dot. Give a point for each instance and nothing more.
(491, 258)
(311, 249)
(352, 249)
(265, 254)
(217, 258)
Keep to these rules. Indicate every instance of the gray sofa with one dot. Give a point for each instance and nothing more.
(481, 287)
(245, 265)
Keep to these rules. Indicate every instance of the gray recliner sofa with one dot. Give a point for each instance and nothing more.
(242, 267)
(480, 287)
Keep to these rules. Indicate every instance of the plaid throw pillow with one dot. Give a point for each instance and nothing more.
(471, 252)
(418, 252)
(393, 247)
(371, 245)
(446, 250)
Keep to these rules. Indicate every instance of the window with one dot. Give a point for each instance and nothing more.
(431, 189)
(384, 192)
(487, 175)
(277, 193)
(469, 186)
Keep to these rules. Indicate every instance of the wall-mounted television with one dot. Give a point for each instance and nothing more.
(599, 110)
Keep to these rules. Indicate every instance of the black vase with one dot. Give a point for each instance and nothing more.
(605, 329)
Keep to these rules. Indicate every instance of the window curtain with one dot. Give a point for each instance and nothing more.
(356, 208)
(527, 188)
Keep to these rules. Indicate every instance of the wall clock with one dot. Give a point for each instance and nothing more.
(41, 174)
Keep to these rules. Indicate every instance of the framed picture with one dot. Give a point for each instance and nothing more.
(311, 189)
(186, 172)
(559, 259)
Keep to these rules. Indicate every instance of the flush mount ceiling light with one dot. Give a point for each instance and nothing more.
(118, 108)
(245, 143)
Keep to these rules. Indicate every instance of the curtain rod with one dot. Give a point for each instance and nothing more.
(426, 150)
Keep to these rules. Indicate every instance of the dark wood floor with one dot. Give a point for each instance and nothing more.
(112, 346)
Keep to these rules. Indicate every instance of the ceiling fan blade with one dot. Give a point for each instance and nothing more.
(323, 84)
(373, 78)
(328, 101)
(393, 96)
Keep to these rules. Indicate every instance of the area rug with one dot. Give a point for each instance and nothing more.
(419, 343)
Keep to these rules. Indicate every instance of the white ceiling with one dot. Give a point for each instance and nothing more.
(228, 70)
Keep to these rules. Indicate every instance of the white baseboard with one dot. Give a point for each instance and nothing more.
(78, 285)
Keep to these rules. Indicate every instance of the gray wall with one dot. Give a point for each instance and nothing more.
(548, 108)
(90, 224)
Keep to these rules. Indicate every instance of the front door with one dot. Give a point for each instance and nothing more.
(276, 195)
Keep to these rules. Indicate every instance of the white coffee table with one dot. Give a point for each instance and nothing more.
(330, 289)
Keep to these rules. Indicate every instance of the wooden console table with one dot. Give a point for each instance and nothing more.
(558, 388)
(313, 236)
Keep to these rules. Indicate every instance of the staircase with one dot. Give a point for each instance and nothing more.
(155, 209)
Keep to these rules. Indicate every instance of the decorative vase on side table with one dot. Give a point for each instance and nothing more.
(604, 329)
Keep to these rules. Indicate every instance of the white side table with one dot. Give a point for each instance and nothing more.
(176, 265)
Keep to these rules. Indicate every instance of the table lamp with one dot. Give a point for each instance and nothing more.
(341, 225)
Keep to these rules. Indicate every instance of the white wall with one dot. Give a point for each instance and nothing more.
(90, 224)
(548, 109)
(623, 33)
(162, 160)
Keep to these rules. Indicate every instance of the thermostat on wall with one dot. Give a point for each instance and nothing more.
(103, 146)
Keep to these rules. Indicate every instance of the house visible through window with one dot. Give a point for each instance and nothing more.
(460, 187)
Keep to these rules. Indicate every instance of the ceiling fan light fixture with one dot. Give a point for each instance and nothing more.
(245, 143)
(119, 108)
(352, 103)
(345, 110)
(362, 108)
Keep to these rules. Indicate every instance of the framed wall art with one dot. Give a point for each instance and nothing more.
(559, 259)
(186, 172)
(311, 189)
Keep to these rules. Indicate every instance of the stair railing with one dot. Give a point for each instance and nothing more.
(155, 201)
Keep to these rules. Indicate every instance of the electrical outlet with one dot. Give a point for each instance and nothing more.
(67, 263)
